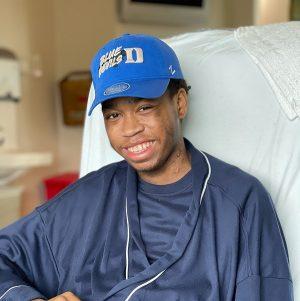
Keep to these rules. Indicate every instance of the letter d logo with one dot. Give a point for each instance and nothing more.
(129, 55)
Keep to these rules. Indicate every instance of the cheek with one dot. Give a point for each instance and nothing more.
(112, 134)
(166, 123)
(159, 121)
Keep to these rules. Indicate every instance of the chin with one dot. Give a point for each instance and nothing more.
(141, 166)
(147, 166)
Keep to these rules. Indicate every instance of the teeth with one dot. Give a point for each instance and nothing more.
(140, 147)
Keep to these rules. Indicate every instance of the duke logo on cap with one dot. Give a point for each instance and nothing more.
(133, 65)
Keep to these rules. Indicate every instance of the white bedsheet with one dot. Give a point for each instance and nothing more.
(235, 116)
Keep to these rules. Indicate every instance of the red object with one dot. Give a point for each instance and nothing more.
(56, 184)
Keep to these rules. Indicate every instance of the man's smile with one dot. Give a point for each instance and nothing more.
(139, 151)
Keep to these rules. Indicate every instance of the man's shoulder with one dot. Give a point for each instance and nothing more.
(235, 184)
(87, 190)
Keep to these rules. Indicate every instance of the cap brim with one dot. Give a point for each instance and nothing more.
(146, 88)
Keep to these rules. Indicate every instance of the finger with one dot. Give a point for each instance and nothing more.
(59, 298)
(70, 296)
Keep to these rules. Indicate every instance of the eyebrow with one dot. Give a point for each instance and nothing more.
(114, 105)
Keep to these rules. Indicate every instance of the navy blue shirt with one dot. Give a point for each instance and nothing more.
(88, 240)
(161, 211)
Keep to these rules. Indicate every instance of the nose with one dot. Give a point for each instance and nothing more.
(131, 126)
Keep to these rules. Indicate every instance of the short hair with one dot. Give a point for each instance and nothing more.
(176, 84)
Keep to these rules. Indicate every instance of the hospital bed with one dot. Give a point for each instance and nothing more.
(244, 109)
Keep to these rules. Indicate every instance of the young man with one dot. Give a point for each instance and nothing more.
(169, 222)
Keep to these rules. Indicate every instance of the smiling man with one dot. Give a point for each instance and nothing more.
(169, 222)
(147, 133)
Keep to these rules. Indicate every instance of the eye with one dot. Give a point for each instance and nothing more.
(111, 116)
(145, 107)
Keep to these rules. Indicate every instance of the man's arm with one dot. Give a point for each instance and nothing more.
(27, 267)
(263, 272)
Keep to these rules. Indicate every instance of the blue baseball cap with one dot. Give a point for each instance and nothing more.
(134, 65)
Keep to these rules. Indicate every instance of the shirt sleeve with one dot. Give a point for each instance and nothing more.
(27, 267)
(263, 269)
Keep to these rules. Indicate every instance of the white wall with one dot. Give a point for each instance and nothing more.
(80, 29)
(23, 25)
(271, 11)
(26, 28)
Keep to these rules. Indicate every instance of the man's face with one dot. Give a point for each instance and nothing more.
(145, 132)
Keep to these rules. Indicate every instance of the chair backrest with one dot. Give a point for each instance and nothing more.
(233, 115)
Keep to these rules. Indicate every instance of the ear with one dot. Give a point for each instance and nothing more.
(182, 103)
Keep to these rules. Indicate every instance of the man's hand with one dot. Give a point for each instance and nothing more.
(67, 296)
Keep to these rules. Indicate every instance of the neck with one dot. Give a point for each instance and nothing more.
(177, 165)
